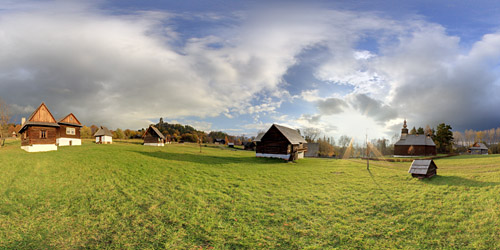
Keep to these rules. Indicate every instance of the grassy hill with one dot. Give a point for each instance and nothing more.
(127, 195)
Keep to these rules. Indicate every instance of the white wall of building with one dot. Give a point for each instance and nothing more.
(280, 156)
(40, 147)
(66, 141)
(158, 144)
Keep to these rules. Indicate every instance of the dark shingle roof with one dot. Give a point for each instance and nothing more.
(420, 166)
(291, 135)
(103, 131)
(416, 140)
(157, 132)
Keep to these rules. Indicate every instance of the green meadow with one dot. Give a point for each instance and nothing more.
(129, 196)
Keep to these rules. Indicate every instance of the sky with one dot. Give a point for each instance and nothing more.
(343, 67)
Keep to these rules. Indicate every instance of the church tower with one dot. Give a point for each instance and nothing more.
(404, 131)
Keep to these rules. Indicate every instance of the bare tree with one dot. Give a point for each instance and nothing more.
(458, 137)
(4, 120)
(311, 134)
(491, 136)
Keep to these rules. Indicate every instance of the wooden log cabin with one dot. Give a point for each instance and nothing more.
(281, 142)
(68, 133)
(39, 132)
(413, 145)
(423, 169)
(103, 136)
(153, 137)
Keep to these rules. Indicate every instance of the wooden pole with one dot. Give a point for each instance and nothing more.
(367, 154)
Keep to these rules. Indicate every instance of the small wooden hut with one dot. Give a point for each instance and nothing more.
(39, 132)
(423, 169)
(68, 133)
(153, 137)
(478, 149)
(249, 145)
(103, 136)
(281, 142)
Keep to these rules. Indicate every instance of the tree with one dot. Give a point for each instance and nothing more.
(413, 131)
(118, 134)
(420, 131)
(311, 134)
(444, 138)
(4, 120)
(86, 132)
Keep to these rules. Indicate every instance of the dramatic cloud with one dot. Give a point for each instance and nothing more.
(126, 69)
(331, 106)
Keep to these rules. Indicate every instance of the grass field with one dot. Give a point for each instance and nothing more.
(127, 195)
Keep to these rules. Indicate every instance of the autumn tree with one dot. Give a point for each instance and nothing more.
(4, 120)
(86, 132)
(413, 131)
(118, 134)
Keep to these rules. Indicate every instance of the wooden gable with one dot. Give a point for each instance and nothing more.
(42, 114)
(70, 119)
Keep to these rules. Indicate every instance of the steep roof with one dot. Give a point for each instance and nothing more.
(290, 134)
(153, 130)
(259, 136)
(416, 140)
(70, 120)
(41, 117)
(421, 166)
(479, 145)
(103, 131)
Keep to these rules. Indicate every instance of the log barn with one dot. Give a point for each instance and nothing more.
(281, 142)
(153, 137)
(478, 149)
(103, 136)
(413, 145)
(68, 133)
(39, 132)
(423, 169)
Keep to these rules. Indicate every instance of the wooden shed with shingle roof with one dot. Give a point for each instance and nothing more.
(103, 136)
(281, 142)
(153, 137)
(423, 169)
(478, 149)
(38, 133)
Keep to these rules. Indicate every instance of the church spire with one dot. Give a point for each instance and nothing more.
(404, 131)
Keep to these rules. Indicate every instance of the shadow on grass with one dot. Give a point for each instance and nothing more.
(458, 181)
(209, 159)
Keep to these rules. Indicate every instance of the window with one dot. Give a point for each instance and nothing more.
(70, 131)
(43, 134)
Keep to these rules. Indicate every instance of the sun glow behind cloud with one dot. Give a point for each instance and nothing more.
(122, 69)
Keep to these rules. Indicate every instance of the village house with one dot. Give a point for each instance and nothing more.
(153, 137)
(68, 132)
(39, 132)
(478, 149)
(103, 136)
(281, 142)
(413, 144)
